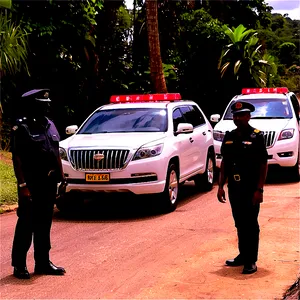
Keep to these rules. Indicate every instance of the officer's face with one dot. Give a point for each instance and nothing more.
(40, 108)
(241, 119)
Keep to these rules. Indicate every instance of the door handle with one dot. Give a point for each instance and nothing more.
(204, 133)
(191, 140)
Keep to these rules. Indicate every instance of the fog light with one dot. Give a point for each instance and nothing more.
(285, 154)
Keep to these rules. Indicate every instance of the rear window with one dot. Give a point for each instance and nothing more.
(266, 109)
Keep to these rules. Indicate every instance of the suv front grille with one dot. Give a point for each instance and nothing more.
(83, 160)
(269, 137)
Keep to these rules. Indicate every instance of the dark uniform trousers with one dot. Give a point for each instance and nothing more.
(34, 221)
(245, 216)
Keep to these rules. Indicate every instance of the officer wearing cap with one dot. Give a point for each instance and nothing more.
(38, 170)
(244, 165)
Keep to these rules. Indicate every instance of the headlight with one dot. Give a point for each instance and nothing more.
(218, 135)
(151, 151)
(286, 134)
(63, 154)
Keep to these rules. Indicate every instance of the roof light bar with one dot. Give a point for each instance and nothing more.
(279, 90)
(145, 98)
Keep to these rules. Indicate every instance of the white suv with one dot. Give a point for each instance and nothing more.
(277, 115)
(143, 144)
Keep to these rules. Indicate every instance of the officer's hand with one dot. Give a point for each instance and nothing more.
(257, 198)
(24, 193)
(61, 188)
(221, 195)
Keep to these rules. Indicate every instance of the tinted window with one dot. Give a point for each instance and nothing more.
(193, 115)
(177, 118)
(266, 109)
(126, 120)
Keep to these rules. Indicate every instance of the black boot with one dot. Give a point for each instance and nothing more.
(21, 273)
(49, 269)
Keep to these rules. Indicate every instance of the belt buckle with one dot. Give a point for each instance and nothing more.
(237, 177)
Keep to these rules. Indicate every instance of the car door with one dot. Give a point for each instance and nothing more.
(182, 144)
(199, 137)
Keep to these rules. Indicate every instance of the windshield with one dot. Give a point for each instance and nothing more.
(126, 120)
(266, 109)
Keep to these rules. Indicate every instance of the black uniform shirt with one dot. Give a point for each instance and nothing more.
(243, 155)
(37, 145)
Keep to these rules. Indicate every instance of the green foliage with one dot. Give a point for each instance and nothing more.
(8, 190)
(13, 45)
(291, 79)
(5, 3)
(243, 57)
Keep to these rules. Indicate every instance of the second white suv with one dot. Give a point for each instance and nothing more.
(143, 144)
(277, 115)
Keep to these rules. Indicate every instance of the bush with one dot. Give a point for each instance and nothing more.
(8, 186)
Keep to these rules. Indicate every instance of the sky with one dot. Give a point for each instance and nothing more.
(290, 7)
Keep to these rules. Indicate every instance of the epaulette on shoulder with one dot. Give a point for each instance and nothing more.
(256, 131)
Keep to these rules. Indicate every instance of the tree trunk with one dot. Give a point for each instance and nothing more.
(156, 68)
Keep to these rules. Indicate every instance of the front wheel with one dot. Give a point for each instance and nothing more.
(69, 202)
(295, 171)
(169, 197)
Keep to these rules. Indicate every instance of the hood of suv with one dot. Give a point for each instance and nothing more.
(261, 124)
(126, 140)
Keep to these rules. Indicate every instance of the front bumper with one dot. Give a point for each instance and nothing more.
(283, 153)
(145, 176)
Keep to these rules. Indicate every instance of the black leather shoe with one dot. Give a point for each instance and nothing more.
(49, 269)
(238, 261)
(21, 273)
(249, 268)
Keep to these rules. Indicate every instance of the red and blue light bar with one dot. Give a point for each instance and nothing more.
(278, 90)
(145, 98)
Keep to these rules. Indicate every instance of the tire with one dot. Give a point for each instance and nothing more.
(169, 197)
(69, 202)
(295, 171)
(205, 181)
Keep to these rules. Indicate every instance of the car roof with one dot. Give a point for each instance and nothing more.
(159, 104)
(261, 96)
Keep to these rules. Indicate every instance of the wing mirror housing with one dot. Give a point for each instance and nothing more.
(215, 118)
(71, 129)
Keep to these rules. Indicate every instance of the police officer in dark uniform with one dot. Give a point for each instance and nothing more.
(244, 165)
(38, 169)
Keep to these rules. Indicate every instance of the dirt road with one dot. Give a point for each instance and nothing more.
(129, 251)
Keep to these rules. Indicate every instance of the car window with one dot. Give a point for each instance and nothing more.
(126, 120)
(192, 115)
(266, 109)
(177, 118)
(295, 104)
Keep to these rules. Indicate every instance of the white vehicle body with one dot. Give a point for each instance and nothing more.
(281, 132)
(137, 162)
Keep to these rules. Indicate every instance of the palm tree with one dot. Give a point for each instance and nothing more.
(156, 68)
(244, 58)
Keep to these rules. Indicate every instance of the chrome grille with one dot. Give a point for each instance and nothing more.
(83, 160)
(269, 137)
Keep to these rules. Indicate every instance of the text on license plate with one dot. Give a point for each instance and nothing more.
(96, 177)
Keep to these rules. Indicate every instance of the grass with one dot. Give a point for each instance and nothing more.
(8, 187)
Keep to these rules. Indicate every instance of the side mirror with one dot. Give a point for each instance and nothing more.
(184, 128)
(71, 129)
(215, 118)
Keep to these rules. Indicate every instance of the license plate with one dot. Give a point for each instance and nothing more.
(96, 177)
